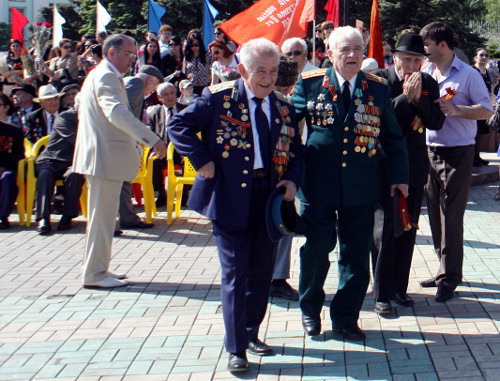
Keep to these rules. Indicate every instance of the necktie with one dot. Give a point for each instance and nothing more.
(346, 96)
(51, 123)
(170, 114)
(264, 133)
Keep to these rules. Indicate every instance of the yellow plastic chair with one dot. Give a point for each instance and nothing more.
(21, 183)
(176, 183)
(145, 179)
(31, 181)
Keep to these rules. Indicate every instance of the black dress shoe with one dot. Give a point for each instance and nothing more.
(237, 362)
(64, 224)
(259, 348)
(4, 224)
(117, 233)
(383, 307)
(403, 299)
(139, 225)
(311, 324)
(44, 227)
(350, 332)
(443, 294)
(281, 289)
(429, 283)
(160, 202)
(484, 162)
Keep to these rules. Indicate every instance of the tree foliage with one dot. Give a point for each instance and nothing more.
(493, 10)
(4, 36)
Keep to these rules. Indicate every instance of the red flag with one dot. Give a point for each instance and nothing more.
(276, 20)
(18, 23)
(376, 50)
(333, 9)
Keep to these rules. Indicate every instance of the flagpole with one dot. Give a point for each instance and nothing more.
(314, 41)
(96, 16)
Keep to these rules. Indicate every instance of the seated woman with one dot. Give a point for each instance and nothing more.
(62, 70)
(196, 64)
(225, 65)
(14, 70)
(150, 56)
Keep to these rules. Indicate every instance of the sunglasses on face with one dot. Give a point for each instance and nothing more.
(195, 46)
(295, 53)
(172, 44)
(483, 55)
(217, 33)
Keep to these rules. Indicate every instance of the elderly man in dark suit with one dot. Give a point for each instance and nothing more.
(158, 118)
(413, 97)
(348, 113)
(55, 163)
(40, 123)
(248, 135)
(138, 87)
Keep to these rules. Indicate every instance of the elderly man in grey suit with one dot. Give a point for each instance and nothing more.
(138, 87)
(106, 154)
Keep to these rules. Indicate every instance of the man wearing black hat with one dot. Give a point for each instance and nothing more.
(413, 96)
(22, 98)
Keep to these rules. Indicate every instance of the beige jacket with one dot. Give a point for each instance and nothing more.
(108, 131)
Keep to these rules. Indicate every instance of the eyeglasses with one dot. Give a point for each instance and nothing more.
(128, 54)
(195, 46)
(172, 44)
(483, 55)
(329, 27)
(217, 33)
(215, 53)
(295, 53)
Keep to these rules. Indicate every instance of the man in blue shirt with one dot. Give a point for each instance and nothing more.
(451, 153)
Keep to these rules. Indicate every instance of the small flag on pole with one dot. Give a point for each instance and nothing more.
(209, 15)
(18, 23)
(155, 13)
(103, 18)
(57, 30)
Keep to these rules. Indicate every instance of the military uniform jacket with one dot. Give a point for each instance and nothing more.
(36, 125)
(222, 116)
(341, 163)
(414, 119)
(11, 146)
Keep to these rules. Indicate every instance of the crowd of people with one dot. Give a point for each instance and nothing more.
(377, 141)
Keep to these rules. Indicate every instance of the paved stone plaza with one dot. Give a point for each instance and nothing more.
(168, 323)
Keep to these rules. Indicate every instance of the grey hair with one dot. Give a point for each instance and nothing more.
(164, 86)
(340, 33)
(255, 49)
(291, 41)
(115, 41)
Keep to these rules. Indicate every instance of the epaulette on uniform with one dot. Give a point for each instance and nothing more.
(281, 97)
(221, 86)
(376, 78)
(314, 73)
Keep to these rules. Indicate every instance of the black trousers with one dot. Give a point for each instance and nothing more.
(47, 174)
(158, 178)
(392, 256)
(446, 193)
(247, 260)
(354, 227)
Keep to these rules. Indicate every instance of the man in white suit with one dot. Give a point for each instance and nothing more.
(106, 153)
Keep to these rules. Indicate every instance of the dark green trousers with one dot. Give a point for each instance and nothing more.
(354, 227)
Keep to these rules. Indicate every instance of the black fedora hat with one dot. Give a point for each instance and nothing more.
(281, 216)
(410, 43)
(24, 87)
